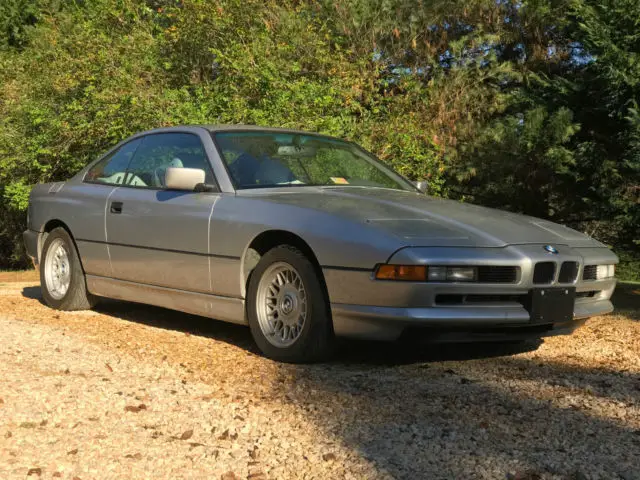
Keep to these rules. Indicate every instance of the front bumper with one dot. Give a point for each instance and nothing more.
(367, 308)
(455, 323)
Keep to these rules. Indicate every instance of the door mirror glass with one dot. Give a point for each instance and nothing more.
(176, 178)
(422, 185)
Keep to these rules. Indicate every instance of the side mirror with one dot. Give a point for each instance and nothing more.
(422, 185)
(183, 178)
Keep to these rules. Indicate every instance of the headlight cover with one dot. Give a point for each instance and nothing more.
(605, 271)
(452, 274)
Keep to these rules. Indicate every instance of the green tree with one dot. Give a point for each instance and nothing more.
(530, 105)
(16, 16)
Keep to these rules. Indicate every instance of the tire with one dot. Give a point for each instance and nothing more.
(271, 310)
(66, 264)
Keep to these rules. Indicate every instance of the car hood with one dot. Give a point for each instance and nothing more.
(421, 220)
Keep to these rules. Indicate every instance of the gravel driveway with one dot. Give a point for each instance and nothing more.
(131, 391)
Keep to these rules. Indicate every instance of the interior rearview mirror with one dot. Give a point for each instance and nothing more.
(183, 178)
(422, 185)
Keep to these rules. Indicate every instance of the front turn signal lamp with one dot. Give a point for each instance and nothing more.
(408, 273)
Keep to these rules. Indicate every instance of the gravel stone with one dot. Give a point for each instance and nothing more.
(131, 391)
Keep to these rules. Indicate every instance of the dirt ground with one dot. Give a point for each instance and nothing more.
(131, 391)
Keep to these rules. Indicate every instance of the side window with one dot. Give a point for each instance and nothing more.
(111, 169)
(163, 150)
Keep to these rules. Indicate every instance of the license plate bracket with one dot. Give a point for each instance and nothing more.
(551, 305)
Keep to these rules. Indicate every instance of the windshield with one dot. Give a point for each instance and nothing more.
(274, 159)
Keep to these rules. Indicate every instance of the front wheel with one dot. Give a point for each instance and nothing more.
(61, 276)
(287, 308)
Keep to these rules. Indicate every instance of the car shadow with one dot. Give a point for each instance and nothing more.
(626, 300)
(34, 293)
(347, 351)
(166, 319)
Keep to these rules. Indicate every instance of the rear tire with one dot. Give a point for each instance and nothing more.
(287, 308)
(62, 279)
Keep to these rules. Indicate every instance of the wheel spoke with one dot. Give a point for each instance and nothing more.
(282, 304)
(57, 269)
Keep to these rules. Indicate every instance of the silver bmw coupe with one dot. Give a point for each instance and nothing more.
(304, 238)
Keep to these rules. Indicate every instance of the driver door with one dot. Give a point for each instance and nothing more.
(158, 236)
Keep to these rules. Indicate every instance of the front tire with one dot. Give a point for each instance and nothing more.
(61, 275)
(287, 308)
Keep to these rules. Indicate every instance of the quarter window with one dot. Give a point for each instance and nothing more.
(111, 170)
(163, 150)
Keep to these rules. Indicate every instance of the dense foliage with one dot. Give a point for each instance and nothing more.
(530, 105)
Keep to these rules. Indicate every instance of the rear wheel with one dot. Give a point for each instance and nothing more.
(287, 308)
(61, 276)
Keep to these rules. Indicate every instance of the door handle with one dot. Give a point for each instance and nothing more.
(116, 207)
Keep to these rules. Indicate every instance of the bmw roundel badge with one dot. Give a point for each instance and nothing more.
(551, 249)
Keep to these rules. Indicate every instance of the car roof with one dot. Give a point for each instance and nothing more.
(231, 128)
(256, 128)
